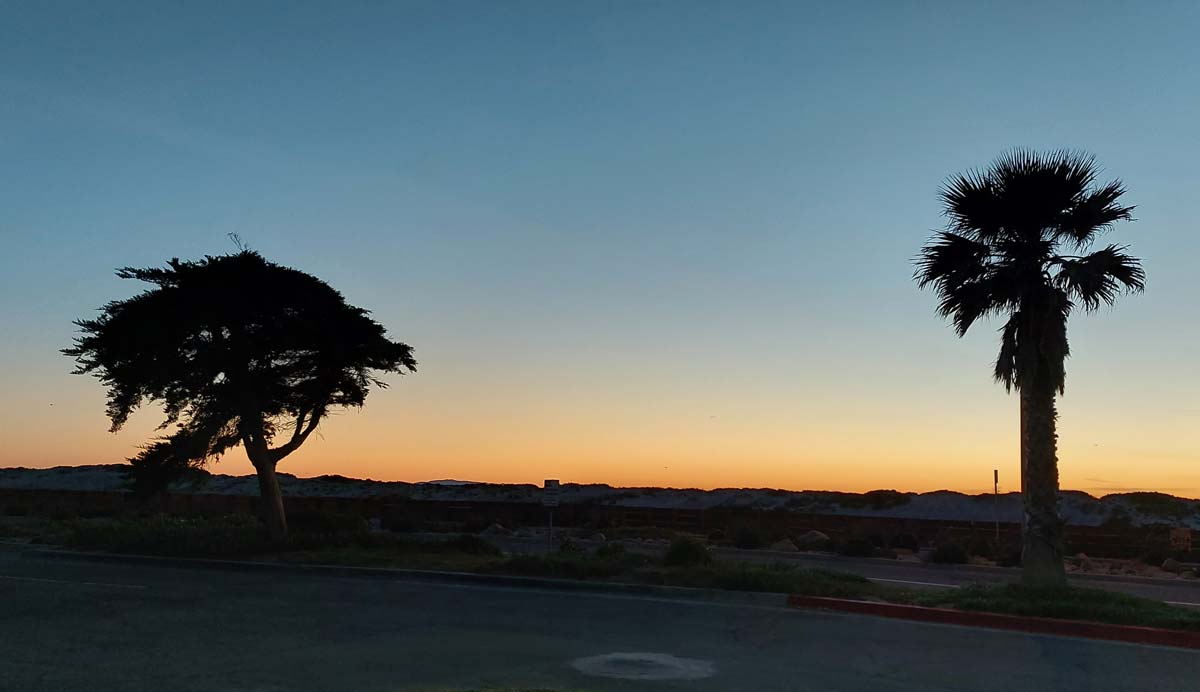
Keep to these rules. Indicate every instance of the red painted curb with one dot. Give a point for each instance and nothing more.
(946, 616)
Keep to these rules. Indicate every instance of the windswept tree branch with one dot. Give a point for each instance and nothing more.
(299, 435)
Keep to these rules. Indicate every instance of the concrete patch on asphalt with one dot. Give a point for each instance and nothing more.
(644, 666)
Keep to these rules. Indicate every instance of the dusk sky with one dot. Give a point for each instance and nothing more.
(664, 243)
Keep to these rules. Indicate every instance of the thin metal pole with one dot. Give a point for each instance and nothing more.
(550, 534)
(996, 503)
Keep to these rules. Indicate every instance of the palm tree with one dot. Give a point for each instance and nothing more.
(1007, 252)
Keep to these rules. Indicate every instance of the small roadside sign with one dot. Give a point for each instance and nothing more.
(550, 490)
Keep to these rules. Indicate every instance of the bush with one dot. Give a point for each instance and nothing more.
(610, 551)
(227, 536)
(748, 539)
(687, 552)
(398, 523)
(560, 566)
(950, 554)
(856, 546)
(567, 545)
(1009, 556)
(982, 547)
(642, 532)
(326, 522)
(471, 545)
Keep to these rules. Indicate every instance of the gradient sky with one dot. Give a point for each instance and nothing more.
(639, 243)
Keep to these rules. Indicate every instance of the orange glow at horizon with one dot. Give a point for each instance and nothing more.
(409, 433)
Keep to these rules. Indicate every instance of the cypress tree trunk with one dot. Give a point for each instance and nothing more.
(1042, 548)
(272, 501)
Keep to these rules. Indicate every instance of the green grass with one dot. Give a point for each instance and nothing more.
(243, 538)
(1069, 604)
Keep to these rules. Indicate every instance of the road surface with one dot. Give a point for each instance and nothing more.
(68, 625)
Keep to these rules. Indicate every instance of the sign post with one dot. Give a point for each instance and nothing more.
(996, 503)
(550, 491)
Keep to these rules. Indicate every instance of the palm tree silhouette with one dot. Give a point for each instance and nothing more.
(1006, 253)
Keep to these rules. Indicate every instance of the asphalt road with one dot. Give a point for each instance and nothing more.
(89, 626)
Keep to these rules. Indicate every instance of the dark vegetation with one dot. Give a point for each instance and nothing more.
(687, 552)
(1021, 245)
(950, 554)
(1162, 505)
(238, 351)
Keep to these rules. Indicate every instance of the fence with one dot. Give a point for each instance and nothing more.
(1096, 541)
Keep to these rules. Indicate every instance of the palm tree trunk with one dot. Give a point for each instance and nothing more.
(272, 506)
(1042, 548)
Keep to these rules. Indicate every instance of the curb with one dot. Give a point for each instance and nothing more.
(1034, 625)
(777, 600)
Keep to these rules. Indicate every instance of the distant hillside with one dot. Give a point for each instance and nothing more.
(1077, 507)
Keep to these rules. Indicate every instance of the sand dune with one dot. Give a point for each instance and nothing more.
(1076, 507)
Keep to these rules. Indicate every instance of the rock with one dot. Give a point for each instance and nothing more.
(784, 544)
(1171, 565)
(813, 540)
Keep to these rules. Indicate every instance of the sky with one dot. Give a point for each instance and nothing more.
(640, 243)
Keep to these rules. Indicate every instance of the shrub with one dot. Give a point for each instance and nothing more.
(748, 539)
(567, 545)
(1009, 556)
(561, 566)
(472, 545)
(233, 535)
(610, 551)
(856, 546)
(398, 523)
(874, 499)
(983, 547)
(650, 532)
(326, 522)
(687, 552)
(477, 524)
(950, 554)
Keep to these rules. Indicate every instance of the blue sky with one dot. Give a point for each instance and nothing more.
(617, 234)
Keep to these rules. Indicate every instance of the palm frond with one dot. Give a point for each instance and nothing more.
(1005, 371)
(1100, 277)
(1036, 188)
(960, 269)
(971, 203)
(951, 259)
(1095, 212)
